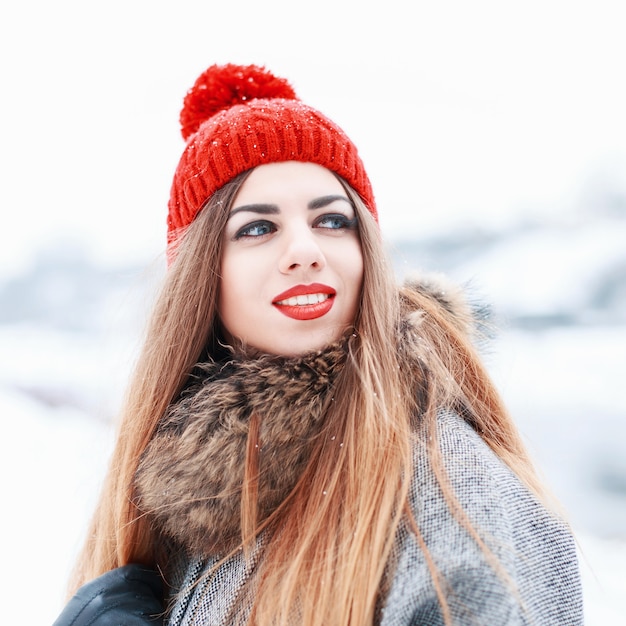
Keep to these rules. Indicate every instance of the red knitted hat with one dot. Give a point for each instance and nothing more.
(237, 117)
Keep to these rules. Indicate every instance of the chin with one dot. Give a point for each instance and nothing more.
(293, 343)
(312, 342)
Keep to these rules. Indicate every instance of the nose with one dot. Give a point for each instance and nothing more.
(301, 252)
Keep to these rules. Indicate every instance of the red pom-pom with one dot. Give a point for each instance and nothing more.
(222, 86)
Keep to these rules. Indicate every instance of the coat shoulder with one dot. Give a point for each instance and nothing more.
(500, 553)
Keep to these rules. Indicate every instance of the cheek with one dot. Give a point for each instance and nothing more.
(238, 296)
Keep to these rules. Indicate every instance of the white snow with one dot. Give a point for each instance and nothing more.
(551, 269)
(52, 461)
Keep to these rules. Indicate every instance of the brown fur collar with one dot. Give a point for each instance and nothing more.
(190, 477)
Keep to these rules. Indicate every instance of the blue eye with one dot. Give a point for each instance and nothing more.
(335, 221)
(255, 229)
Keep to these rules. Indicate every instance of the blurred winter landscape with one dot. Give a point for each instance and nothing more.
(69, 330)
(494, 135)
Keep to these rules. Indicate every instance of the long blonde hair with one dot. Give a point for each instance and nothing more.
(334, 534)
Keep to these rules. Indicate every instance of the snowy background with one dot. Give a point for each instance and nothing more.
(494, 134)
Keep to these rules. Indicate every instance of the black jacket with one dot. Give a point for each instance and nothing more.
(126, 596)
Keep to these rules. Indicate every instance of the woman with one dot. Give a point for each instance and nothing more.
(303, 442)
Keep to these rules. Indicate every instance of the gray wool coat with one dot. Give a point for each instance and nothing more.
(537, 551)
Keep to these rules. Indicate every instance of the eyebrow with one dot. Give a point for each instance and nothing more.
(319, 203)
(272, 209)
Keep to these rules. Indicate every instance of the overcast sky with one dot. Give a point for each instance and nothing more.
(463, 111)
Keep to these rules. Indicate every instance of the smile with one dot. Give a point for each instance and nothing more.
(306, 302)
(303, 300)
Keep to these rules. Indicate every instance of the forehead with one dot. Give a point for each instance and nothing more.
(288, 180)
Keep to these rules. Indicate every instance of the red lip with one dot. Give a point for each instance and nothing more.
(303, 290)
(306, 311)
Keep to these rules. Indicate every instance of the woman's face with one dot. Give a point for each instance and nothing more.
(292, 266)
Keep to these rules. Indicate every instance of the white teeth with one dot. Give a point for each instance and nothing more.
(311, 298)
